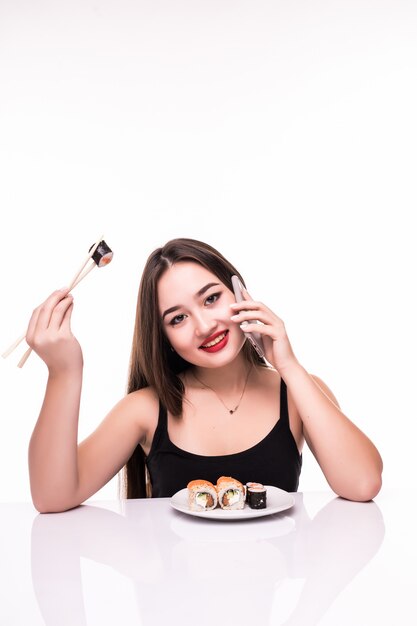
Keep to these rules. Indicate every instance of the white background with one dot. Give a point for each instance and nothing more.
(283, 133)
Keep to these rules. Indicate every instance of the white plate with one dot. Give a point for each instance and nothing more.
(276, 500)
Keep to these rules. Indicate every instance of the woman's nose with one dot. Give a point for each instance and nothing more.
(204, 325)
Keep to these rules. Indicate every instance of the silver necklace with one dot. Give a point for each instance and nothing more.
(231, 411)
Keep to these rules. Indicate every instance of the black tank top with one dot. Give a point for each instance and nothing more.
(273, 461)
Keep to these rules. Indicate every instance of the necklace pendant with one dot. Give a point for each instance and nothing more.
(231, 411)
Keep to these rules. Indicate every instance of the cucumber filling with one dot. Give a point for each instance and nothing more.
(204, 499)
(230, 497)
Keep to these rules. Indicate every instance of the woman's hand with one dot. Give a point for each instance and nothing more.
(49, 334)
(278, 350)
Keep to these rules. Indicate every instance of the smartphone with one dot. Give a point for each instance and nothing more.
(254, 338)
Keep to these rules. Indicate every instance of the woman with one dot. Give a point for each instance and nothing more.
(200, 401)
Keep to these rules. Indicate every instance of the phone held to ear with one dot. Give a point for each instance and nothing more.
(254, 338)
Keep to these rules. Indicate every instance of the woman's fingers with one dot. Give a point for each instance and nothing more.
(66, 320)
(250, 310)
(59, 313)
(256, 317)
(57, 303)
(46, 308)
(278, 349)
(49, 333)
(253, 327)
(246, 305)
(31, 326)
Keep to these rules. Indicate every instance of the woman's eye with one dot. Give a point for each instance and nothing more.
(177, 320)
(212, 298)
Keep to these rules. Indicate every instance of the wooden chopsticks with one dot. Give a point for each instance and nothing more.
(77, 278)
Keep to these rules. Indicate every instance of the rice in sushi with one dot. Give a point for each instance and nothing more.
(202, 495)
(230, 493)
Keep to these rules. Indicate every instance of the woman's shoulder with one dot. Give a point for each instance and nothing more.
(145, 399)
(146, 394)
(268, 376)
(142, 405)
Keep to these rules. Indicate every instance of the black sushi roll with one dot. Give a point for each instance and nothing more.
(249, 486)
(257, 497)
(102, 255)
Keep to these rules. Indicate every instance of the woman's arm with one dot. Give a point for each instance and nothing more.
(349, 460)
(63, 474)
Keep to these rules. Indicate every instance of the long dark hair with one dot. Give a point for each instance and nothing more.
(152, 362)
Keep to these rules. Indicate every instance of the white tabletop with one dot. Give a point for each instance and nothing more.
(323, 561)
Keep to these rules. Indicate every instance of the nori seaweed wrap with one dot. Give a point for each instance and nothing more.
(103, 254)
(257, 497)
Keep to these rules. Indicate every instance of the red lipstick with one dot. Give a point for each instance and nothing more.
(219, 345)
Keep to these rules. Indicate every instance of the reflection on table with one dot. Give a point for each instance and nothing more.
(287, 568)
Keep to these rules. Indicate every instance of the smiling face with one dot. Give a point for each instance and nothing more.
(194, 306)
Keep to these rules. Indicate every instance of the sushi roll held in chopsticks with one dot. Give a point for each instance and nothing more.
(99, 255)
(102, 254)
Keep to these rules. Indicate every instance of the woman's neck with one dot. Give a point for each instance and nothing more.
(230, 377)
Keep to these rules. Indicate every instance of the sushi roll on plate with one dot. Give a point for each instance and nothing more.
(202, 495)
(256, 496)
(248, 486)
(230, 493)
(189, 501)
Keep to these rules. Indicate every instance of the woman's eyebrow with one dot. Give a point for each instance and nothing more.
(205, 288)
(199, 293)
